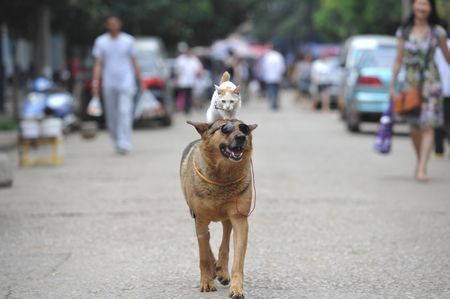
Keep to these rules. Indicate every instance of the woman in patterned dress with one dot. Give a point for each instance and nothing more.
(418, 39)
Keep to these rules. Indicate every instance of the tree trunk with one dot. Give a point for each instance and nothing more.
(2, 73)
(42, 53)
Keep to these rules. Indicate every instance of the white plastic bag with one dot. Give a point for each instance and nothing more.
(147, 105)
(94, 107)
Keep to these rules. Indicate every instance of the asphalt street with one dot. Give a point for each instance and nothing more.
(333, 219)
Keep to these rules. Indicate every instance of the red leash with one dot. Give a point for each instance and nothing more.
(254, 192)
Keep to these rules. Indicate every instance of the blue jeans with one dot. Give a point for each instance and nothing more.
(272, 94)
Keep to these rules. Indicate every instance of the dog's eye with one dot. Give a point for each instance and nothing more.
(227, 129)
(244, 129)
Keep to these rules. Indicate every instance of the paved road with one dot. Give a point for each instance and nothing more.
(333, 219)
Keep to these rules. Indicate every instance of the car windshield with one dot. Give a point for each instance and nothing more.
(380, 57)
(151, 63)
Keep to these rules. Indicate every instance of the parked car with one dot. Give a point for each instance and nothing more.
(367, 62)
(152, 59)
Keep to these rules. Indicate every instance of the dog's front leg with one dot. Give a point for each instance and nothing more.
(240, 234)
(206, 257)
(222, 264)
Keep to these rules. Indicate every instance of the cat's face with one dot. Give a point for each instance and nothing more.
(228, 98)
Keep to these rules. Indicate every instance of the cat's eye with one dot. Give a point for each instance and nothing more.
(223, 101)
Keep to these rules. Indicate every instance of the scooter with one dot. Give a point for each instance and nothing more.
(45, 99)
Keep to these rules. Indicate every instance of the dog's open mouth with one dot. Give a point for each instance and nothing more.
(232, 153)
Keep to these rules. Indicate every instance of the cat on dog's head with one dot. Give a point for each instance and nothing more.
(227, 94)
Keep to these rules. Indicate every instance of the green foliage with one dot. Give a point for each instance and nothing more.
(289, 19)
(339, 19)
(7, 124)
(203, 21)
(325, 20)
(198, 22)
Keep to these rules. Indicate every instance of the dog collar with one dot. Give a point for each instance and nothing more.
(204, 178)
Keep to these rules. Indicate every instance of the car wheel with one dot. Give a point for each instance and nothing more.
(353, 127)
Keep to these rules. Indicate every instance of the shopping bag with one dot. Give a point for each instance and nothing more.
(383, 140)
(147, 105)
(94, 107)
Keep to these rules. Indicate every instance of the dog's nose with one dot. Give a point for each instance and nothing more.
(240, 138)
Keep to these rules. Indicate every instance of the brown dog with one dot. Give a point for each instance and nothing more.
(217, 183)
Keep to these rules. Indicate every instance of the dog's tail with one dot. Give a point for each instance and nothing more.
(225, 77)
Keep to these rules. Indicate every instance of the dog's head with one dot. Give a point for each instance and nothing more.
(229, 140)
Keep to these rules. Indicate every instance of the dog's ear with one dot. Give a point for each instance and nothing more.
(237, 90)
(200, 127)
(252, 127)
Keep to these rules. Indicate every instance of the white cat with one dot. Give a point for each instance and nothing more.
(225, 101)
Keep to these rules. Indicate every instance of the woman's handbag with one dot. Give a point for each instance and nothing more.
(408, 101)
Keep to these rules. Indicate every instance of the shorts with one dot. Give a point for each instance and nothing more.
(324, 87)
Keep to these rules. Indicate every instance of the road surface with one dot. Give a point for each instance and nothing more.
(333, 219)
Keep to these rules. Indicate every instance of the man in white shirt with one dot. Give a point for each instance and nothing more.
(187, 69)
(115, 63)
(272, 70)
(440, 133)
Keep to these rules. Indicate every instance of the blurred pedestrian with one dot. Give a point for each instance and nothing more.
(302, 75)
(320, 81)
(243, 78)
(418, 39)
(231, 65)
(116, 64)
(444, 131)
(188, 69)
(272, 70)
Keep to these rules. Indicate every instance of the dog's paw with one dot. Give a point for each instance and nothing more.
(222, 275)
(207, 285)
(236, 292)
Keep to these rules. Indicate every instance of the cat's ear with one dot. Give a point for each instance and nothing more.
(219, 91)
(237, 90)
